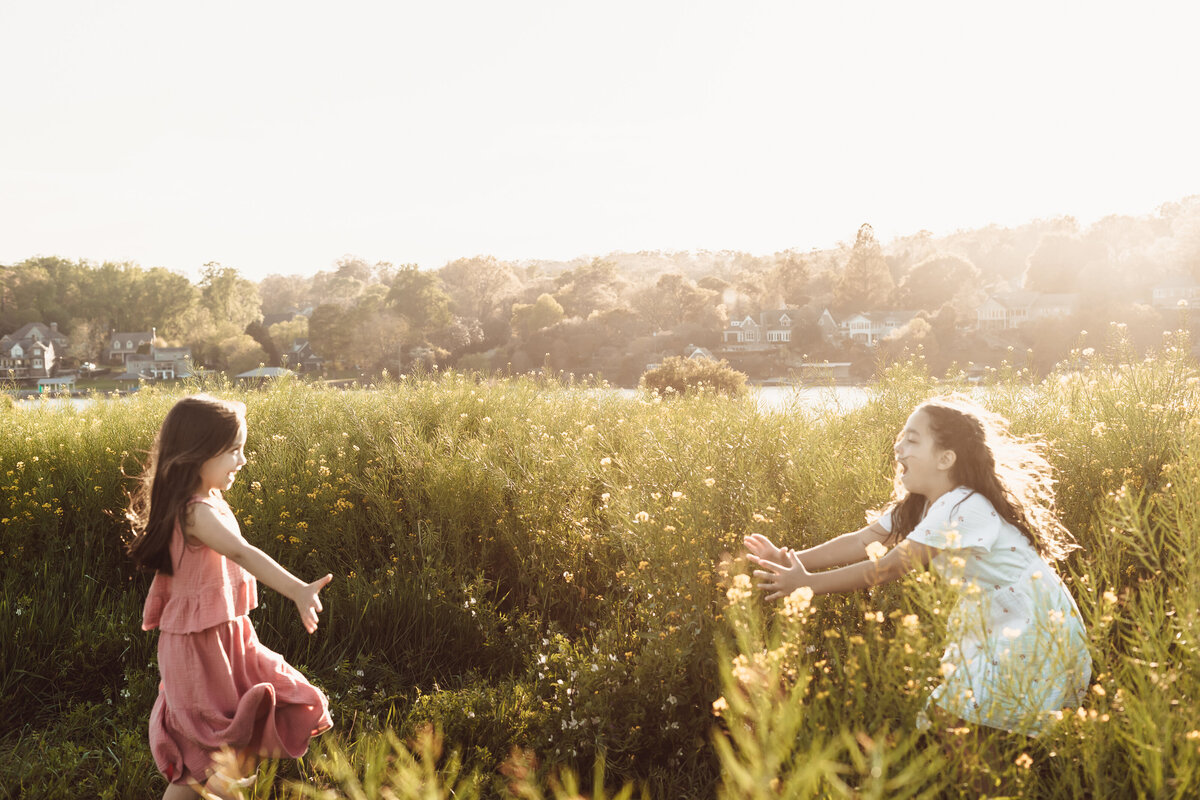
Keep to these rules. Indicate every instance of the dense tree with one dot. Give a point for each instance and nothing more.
(283, 334)
(239, 353)
(281, 293)
(866, 283)
(1067, 264)
(530, 317)
(419, 298)
(675, 300)
(938, 280)
(259, 333)
(789, 279)
(228, 296)
(331, 334)
(478, 286)
(594, 287)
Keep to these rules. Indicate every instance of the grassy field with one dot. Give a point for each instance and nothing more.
(535, 581)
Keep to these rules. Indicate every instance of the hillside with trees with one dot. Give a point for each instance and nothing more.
(615, 314)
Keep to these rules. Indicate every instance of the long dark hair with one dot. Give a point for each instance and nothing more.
(1011, 472)
(195, 429)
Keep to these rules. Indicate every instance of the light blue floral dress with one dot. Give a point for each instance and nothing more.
(1016, 651)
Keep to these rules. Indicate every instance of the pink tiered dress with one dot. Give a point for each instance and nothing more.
(220, 685)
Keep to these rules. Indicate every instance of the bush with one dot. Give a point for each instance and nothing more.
(681, 375)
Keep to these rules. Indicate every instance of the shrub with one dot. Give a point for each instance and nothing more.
(681, 375)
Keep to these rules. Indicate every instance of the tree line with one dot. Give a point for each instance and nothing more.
(612, 315)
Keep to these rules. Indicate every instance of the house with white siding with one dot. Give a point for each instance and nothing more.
(1009, 310)
(31, 352)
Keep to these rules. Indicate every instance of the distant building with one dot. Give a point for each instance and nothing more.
(771, 329)
(31, 352)
(159, 364)
(1182, 292)
(868, 327)
(301, 358)
(1014, 309)
(126, 344)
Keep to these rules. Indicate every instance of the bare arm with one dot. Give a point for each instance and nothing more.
(208, 526)
(849, 548)
(780, 580)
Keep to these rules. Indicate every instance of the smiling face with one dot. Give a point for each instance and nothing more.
(219, 472)
(925, 468)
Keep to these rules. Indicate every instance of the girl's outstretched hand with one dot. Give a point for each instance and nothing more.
(309, 604)
(781, 579)
(761, 547)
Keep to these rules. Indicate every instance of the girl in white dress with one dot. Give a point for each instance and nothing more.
(978, 504)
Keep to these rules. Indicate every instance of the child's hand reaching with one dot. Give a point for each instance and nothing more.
(761, 547)
(309, 604)
(781, 578)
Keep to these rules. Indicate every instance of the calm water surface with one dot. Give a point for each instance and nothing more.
(769, 398)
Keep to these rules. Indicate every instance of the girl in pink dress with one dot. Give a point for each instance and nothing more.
(221, 688)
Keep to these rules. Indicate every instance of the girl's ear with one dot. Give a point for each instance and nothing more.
(946, 459)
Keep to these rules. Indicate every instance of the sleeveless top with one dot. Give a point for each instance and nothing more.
(207, 588)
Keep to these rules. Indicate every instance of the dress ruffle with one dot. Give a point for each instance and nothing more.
(228, 689)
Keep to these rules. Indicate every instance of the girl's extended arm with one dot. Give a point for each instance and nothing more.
(781, 579)
(849, 548)
(209, 527)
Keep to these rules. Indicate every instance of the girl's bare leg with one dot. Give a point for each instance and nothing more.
(233, 775)
(179, 791)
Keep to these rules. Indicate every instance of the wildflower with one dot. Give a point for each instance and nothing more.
(947, 669)
(1192, 735)
(1110, 596)
(709, 482)
(910, 620)
(1024, 761)
(758, 517)
(606, 461)
(676, 495)
(641, 516)
(740, 590)
(796, 603)
(719, 706)
(1099, 690)
(1012, 633)
(875, 551)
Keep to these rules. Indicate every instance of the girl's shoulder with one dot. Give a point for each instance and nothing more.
(216, 503)
(961, 502)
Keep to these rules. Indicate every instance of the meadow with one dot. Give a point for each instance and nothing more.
(538, 590)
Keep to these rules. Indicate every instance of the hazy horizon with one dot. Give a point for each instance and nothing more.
(277, 138)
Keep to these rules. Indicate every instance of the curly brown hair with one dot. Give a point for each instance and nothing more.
(1011, 472)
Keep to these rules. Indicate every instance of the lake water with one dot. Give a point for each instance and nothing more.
(769, 398)
(781, 398)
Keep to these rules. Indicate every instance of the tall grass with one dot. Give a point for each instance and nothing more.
(545, 569)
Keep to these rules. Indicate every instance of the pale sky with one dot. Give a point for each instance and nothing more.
(280, 136)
